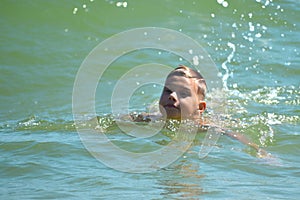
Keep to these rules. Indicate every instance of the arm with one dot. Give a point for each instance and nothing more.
(243, 139)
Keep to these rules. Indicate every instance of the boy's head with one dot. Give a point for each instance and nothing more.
(183, 94)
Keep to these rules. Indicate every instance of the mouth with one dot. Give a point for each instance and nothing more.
(170, 106)
(170, 111)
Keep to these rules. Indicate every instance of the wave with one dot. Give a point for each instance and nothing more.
(34, 123)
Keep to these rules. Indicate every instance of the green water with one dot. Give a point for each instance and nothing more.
(43, 44)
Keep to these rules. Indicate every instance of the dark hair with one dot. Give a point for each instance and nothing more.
(191, 73)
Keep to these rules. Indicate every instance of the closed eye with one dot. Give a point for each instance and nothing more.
(167, 90)
(184, 93)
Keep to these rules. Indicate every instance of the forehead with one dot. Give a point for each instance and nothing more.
(179, 82)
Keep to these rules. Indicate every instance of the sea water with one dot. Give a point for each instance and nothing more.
(255, 46)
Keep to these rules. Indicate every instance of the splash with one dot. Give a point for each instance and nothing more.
(223, 3)
(224, 65)
(261, 125)
(122, 4)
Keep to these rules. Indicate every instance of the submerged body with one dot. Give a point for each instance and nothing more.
(183, 99)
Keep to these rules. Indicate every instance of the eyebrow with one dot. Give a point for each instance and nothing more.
(181, 87)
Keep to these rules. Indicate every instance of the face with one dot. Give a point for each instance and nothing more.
(179, 99)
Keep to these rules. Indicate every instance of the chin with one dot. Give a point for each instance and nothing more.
(180, 117)
(172, 115)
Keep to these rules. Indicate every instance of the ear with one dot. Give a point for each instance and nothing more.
(202, 106)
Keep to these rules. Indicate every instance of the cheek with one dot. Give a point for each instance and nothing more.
(162, 96)
(162, 99)
(189, 104)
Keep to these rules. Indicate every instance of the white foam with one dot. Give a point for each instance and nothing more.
(224, 65)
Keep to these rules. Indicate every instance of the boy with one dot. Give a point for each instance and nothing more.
(183, 98)
(183, 95)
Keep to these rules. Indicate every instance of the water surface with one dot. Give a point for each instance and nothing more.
(255, 45)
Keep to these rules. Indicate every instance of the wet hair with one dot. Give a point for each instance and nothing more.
(191, 73)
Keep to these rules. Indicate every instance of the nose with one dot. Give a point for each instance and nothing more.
(173, 97)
